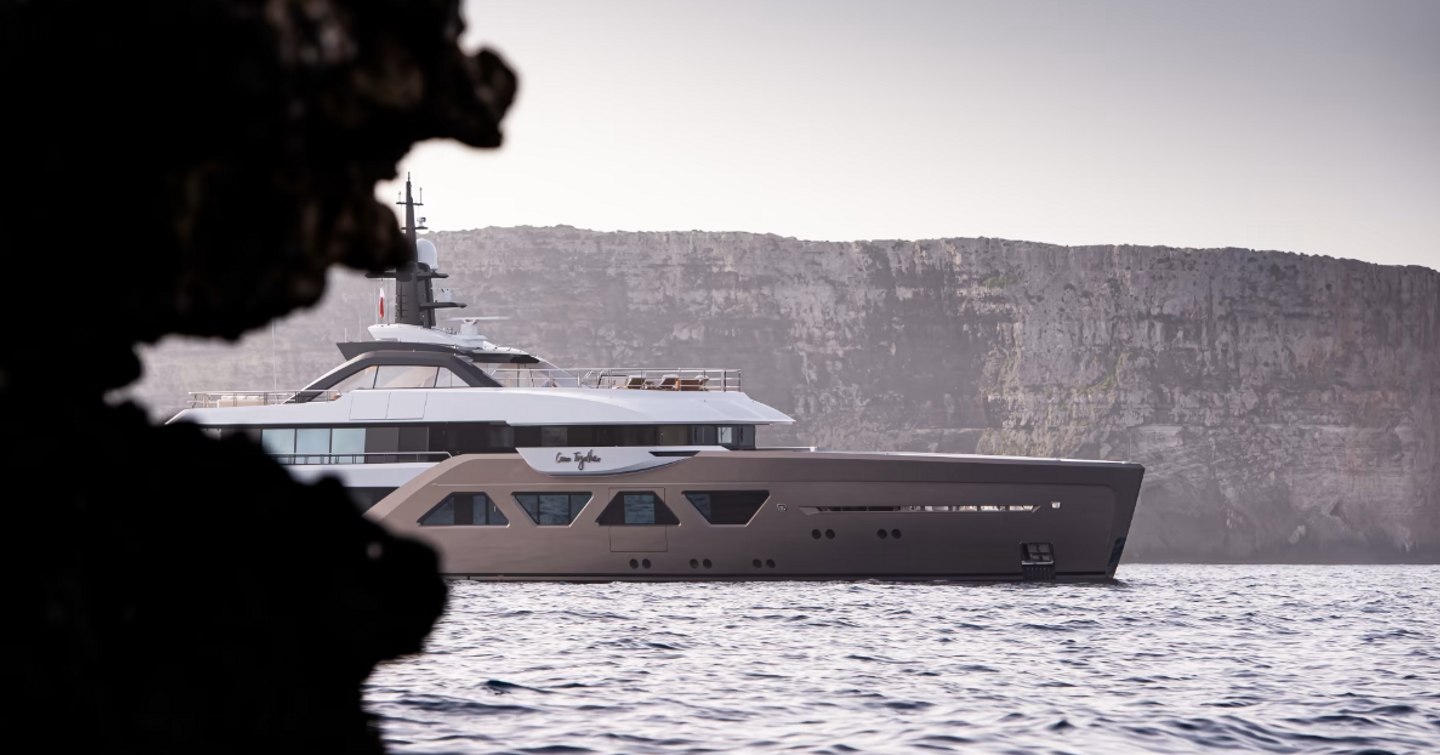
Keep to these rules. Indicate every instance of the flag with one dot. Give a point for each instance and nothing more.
(382, 304)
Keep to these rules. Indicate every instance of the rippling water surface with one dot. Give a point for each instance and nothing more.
(1305, 659)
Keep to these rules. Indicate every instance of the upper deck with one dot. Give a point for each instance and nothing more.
(399, 377)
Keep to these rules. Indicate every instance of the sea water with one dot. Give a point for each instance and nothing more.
(1175, 658)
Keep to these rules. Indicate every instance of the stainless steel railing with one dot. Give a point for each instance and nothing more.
(373, 457)
(216, 399)
(632, 378)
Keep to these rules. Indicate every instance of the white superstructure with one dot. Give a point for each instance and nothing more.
(417, 394)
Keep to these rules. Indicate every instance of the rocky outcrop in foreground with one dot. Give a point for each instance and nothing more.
(198, 167)
(1286, 407)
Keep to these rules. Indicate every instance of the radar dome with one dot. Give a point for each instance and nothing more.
(426, 254)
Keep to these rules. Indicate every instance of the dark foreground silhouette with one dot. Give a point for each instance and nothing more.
(206, 162)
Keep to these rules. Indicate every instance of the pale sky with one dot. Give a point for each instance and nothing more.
(1299, 125)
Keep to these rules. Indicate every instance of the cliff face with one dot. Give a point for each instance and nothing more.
(1286, 407)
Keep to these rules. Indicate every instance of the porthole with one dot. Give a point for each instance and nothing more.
(882, 534)
(895, 534)
(694, 564)
(770, 562)
(815, 534)
(634, 564)
(645, 563)
(707, 563)
(829, 534)
(756, 563)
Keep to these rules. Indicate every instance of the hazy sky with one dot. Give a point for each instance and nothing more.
(1301, 125)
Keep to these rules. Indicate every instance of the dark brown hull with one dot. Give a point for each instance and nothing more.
(828, 516)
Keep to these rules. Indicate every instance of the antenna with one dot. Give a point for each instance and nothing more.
(415, 301)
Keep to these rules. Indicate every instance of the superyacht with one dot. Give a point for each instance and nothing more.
(516, 469)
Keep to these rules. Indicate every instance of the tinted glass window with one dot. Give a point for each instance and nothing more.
(405, 376)
(674, 435)
(363, 379)
(279, 440)
(552, 509)
(348, 440)
(727, 506)
(465, 509)
(502, 437)
(637, 507)
(414, 438)
(448, 379)
(313, 440)
(702, 435)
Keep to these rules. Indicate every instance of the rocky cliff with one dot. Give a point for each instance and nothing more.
(1286, 407)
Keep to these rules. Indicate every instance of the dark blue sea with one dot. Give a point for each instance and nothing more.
(1176, 658)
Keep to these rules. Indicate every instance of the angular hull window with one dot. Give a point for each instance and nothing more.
(637, 507)
(727, 506)
(465, 509)
(552, 509)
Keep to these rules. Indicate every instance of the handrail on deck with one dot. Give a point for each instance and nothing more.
(623, 378)
(216, 399)
(362, 457)
(627, 378)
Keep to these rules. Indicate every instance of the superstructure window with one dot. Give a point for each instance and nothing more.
(727, 506)
(347, 445)
(552, 509)
(640, 507)
(674, 435)
(315, 445)
(702, 435)
(465, 509)
(360, 380)
(414, 442)
(278, 441)
(448, 379)
(405, 376)
(314, 441)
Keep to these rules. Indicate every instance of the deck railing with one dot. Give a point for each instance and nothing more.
(216, 399)
(632, 378)
(623, 378)
(373, 457)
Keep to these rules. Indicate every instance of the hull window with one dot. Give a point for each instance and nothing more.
(727, 506)
(465, 509)
(552, 509)
(637, 507)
